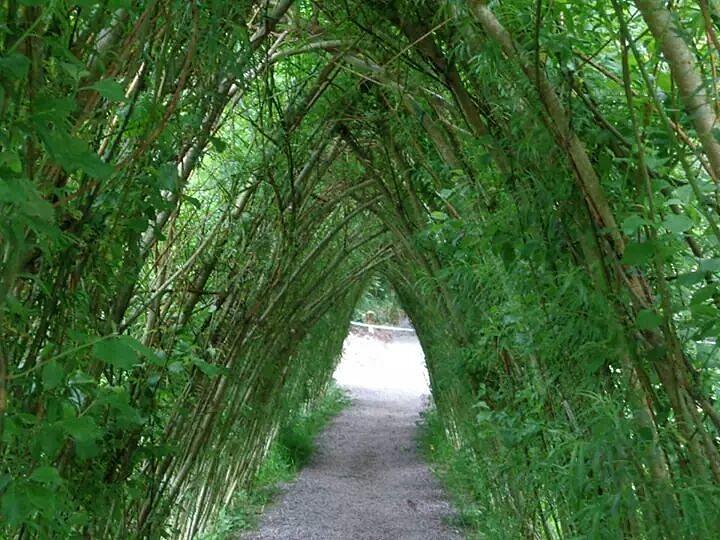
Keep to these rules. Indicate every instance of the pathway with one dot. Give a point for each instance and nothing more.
(367, 481)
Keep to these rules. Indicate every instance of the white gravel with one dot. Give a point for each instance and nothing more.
(367, 481)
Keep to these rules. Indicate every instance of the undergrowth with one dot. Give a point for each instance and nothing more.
(290, 452)
(455, 469)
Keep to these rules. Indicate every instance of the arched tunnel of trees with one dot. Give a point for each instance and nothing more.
(194, 195)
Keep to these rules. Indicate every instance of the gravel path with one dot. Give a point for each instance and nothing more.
(367, 481)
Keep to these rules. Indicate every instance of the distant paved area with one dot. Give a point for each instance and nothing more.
(367, 481)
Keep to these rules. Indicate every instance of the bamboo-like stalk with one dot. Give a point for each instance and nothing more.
(669, 36)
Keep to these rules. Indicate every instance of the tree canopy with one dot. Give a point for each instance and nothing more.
(194, 195)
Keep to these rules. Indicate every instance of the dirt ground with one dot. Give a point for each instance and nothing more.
(367, 480)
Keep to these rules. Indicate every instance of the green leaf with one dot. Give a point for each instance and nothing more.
(439, 216)
(119, 400)
(648, 319)
(632, 224)
(72, 153)
(79, 378)
(76, 70)
(11, 160)
(208, 369)
(710, 265)
(690, 278)
(654, 163)
(51, 439)
(49, 109)
(192, 200)
(674, 201)
(167, 176)
(638, 253)
(703, 313)
(46, 475)
(22, 194)
(14, 66)
(678, 223)
(109, 89)
(14, 506)
(142, 350)
(116, 352)
(52, 375)
(27, 418)
(218, 144)
(86, 449)
(703, 294)
(81, 428)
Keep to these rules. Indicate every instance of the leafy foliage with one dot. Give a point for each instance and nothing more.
(193, 196)
(289, 452)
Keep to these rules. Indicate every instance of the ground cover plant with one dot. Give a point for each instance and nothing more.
(289, 452)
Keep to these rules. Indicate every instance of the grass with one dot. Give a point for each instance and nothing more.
(455, 471)
(290, 452)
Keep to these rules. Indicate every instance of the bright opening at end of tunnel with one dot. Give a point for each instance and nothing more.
(381, 351)
(392, 364)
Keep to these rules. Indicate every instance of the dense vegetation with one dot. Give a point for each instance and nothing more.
(291, 450)
(193, 196)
